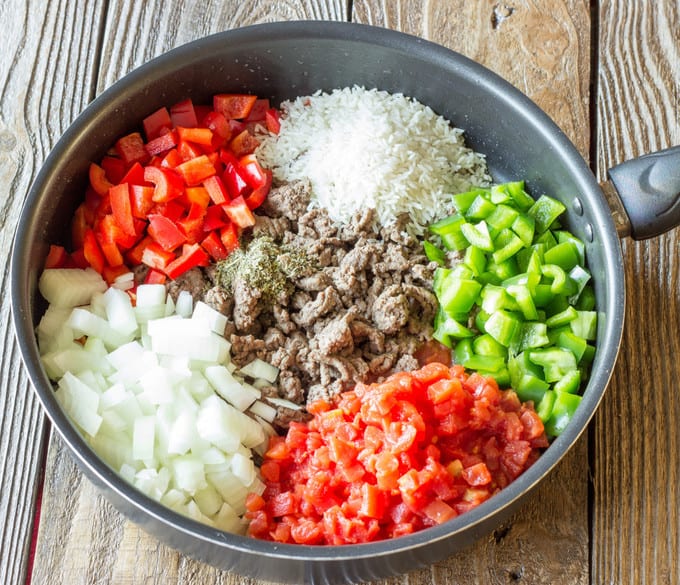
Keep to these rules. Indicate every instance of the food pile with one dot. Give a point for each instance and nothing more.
(257, 299)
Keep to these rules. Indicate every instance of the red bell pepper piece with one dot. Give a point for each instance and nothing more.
(252, 172)
(214, 246)
(134, 176)
(198, 196)
(131, 149)
(168, 184)
(108, 230)
(216, 189)
(214, 218)
(273, 120)
(243, 143)
(162, 143)
(196, 170)
(203, 136)
(79, 225)
(154, 256)
(229, 237)
(111, 253)
(238, 212)
(171, 159)
(92, 251)
(173, 210)
(220, 128)
(184, 114)
(122, 208)
(154, 276)
(98, 180)
(165, 232)
(157, 124)
(258, 111)
(187, 150)
(257, 197)
(141, 200)
(192, 255)
(134, 255)
(56, 257)
(192, 225)
(115, 168)
(112, 272)
(234, 105)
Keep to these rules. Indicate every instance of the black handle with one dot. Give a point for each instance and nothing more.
(649, 188)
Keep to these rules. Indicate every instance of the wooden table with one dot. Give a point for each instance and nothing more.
(607, 72)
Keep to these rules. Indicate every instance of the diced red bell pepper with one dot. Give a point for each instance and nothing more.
(108, 230)
(214, 246)
(154, 276)
(184, 114)
(220, 128)
(188, 151)
(115, 168)
(112, 272)
(157, 123)
(162, 143)
(203, 136)
(171, 159)
(78, 258)
(154, 256)
(193, 255)
(196, 170)
(134, 255)
(243, 143)
(92, 251)
(258, 111)
(251, 170)
(141, 200)
(165, 232)
(167, 183)
(234, 180)
(202, 110)
(173, 210)
(192, 225)
(257, 197)
(56, 257)
(98, 179)
(273, 120)
(198, 196)
(131, 149)
(216, 189)
(234, 106)
(79, 225)
(122, 208)
(215, 218)
(229, 237)
(135, 175)
(111, 252)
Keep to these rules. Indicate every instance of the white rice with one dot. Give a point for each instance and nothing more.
(368, 148)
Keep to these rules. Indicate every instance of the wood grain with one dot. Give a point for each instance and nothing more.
(46, 78)
(636, 467)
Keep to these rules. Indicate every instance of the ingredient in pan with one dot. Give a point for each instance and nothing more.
(394, 457)
(515, 299)
(372, 149)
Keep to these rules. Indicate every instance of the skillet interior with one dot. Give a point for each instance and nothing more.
(281, 61)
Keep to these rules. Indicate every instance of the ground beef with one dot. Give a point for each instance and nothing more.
(358, 315)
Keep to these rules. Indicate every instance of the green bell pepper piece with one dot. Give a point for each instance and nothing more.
(480, 208)
(555, 361)
(545, 406)
(521, 198)
(503, 326)
(585, 325)
(434, 254)
(562, 318)
(506, 244)
(462, 351)
(563, 410)
(545, 211)
(502, 217)
(475, 259)
(575, 344)
(565, 255)
(524, 226)
(524, 300)
(558, 276)
(448, 229)
(485, 345)
(570, 382)
(462, 201)
(478, 235)
(458, 295)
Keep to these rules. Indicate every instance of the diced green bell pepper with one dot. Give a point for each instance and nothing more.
(545, 211)
(434, 254)
(562, 412)
(555, 361)
(503, 326)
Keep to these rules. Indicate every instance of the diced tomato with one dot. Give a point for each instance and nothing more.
(184, 114)
(157, 124)
(98, 180)
(131, 149)
(193, 255)
(56, 257)
(167, 184)
(234, 106)
(239, 213)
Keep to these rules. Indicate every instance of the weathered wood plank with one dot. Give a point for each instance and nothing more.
(544, 50)
(636, 441)
(46, 78)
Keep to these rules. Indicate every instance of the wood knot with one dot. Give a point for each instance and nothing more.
(499, 14)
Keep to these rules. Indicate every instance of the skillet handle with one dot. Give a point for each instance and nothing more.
(649, 189)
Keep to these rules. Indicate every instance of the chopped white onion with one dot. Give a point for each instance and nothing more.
(259, 369)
